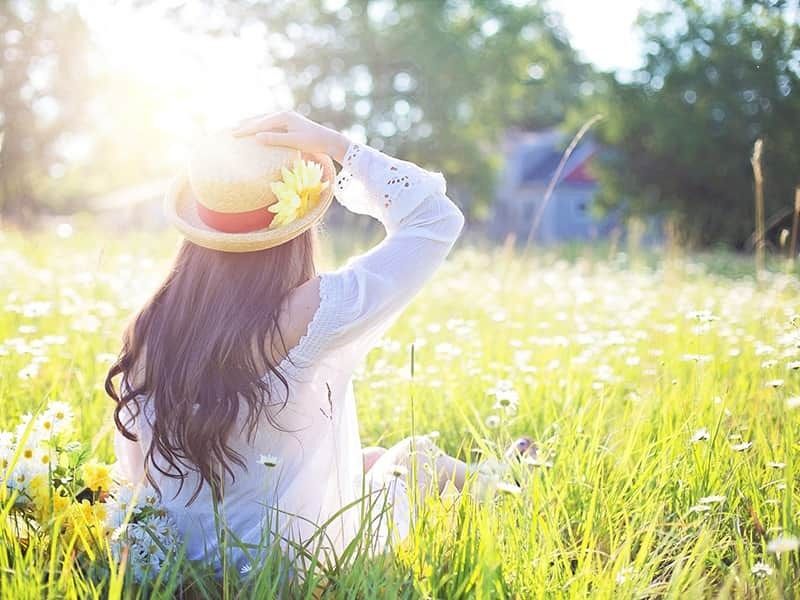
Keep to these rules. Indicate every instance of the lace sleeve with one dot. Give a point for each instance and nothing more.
(361, 299)
(386, 188)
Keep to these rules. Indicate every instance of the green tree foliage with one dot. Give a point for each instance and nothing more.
(718, 76)
(43, 70)
(436, 82)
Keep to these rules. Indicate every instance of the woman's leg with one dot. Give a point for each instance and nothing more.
(419, 455)
(372, 454)
(433, 468)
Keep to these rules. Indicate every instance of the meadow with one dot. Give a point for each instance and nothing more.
(663, 389)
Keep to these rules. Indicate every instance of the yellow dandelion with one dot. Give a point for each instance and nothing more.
(39, 491)
(60, 504)
(85, 522)
(47, 502)
(97, 476)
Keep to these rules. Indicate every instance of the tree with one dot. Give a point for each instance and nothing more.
(436, 82)
(717, 77)
(43, 70)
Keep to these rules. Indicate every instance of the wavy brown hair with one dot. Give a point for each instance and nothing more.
(200, 348)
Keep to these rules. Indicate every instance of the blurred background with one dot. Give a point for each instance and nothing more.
(553, 121)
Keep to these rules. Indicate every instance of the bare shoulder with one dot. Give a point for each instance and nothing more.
(297, 312)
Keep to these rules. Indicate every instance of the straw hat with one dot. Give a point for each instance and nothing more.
(221, 203)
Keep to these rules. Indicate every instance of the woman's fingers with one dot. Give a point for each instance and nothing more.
(247, 127)
(271, 138)
(286, 128)
(250, 128)
(248, 120)
(260, 123)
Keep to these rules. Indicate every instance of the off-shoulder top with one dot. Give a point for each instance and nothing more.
(317, 491)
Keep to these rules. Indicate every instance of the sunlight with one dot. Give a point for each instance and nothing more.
(196, 77)
(603, 32)
(182, 81)
(491, 299)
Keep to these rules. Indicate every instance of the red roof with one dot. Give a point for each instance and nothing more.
(580, 173)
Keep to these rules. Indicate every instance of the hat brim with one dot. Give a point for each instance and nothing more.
(181, 210)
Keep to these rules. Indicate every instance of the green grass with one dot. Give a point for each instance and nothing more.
(615, 374)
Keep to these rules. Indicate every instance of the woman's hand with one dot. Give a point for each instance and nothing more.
(288, 128)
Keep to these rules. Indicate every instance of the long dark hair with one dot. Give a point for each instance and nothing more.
(201, 345)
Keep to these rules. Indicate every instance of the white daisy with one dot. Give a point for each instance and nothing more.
(712, 500)
(399, 471)
(508, 488)
(492, 421)
(624, 574)
(268, 460)
(761, 569)
(784, 543)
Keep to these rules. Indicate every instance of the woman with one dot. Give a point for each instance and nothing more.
(236, 400)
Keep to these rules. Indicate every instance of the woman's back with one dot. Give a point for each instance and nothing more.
(309, 467)
(302, 465)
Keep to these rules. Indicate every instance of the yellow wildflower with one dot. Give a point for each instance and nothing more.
(297, 192)
(47, 502)
(85, 521)
(39, 491)
(60, 504)
(85, 515)
(97, 476)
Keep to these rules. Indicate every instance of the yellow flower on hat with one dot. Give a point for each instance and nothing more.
(298, 191)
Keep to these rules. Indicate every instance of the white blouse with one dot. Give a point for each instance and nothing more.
(311, 495)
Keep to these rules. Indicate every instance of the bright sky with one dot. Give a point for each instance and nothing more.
(603, 31)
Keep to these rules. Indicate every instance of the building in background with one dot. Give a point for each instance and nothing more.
(531, 160)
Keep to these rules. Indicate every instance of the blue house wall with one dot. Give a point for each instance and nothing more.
(531, 160)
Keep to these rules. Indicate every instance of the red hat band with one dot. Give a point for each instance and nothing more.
(240, 222)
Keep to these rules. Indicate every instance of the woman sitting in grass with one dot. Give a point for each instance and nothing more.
(236, 400)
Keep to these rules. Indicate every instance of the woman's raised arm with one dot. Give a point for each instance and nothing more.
(358, 301)
(361, 299)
